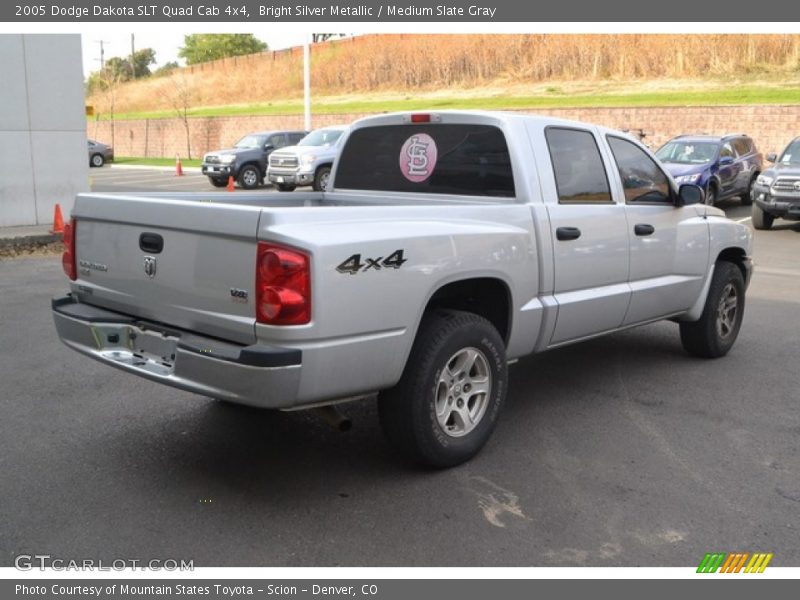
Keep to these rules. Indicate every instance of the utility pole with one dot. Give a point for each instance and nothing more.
(133, 64)
(306, 86)
(102, 52)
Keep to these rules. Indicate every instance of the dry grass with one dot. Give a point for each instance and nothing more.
(403, 65)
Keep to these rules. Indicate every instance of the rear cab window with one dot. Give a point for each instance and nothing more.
(578, 167)
(440, 158)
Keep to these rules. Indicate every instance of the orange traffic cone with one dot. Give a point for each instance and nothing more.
(178, 166)
(58, 220)
(231, 185)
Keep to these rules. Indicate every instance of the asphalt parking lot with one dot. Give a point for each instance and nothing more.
(622, 451)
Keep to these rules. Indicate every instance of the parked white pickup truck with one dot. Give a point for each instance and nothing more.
(448, 245)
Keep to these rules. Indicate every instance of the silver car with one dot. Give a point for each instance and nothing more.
(99, 153)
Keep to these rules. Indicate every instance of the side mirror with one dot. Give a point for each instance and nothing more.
(268, 147)
(690, 193)
(726, 160)
(772, 157)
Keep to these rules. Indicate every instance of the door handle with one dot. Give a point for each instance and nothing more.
(568, 233)
(152, 243)
(643, 229)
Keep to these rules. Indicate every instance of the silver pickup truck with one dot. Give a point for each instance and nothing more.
(448, 245)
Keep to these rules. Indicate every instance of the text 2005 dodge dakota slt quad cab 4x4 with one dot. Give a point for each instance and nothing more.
(447, 245)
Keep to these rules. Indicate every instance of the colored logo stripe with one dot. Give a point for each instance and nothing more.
(734, 562)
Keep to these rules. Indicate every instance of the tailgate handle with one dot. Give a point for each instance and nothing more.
(152, 243)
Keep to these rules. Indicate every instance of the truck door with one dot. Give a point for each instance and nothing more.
(589, 233)
(729, 169)
(669, 244)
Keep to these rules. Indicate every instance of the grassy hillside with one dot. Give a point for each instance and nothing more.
(393, 72)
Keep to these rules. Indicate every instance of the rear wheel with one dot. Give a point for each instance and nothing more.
(761, 218)
(220, 183)
(715, 332)
(285, 187)
(448, 400)
(249, 177)
(747, 198)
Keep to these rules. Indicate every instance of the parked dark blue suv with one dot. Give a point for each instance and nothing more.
(724, 166)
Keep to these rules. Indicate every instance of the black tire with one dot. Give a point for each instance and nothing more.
(408, 411)
(285, 187)
(249, 177)
(321, 178)
(761, 218)
(712, 194)
(97, 160)
(747, 198)
(715, 332)
(219, 183)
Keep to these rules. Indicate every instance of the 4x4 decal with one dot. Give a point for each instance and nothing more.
(353, 265)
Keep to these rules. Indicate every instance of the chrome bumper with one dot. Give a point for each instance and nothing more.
(257, 375)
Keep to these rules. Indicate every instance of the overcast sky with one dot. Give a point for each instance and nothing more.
(165, 43)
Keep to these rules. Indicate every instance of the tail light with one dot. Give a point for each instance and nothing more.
(68, 257)
(420, 118)
(283, 285)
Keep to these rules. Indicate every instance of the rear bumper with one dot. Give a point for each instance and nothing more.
(257, 375)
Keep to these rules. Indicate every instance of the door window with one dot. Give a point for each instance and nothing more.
(277, 140)
(642, 180)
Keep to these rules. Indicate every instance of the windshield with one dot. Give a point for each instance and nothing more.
(791, 156)
(321, 137)
(688, 153)
(251, 141)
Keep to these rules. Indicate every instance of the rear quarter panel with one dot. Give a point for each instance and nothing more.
(363, 324)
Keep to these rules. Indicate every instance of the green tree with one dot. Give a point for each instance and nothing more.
(166, 68)
(203, 47)
(142, 59)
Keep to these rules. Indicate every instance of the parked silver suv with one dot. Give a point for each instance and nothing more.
(308, 163)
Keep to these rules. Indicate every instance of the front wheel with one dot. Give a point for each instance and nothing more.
(249, 177)
(449, 398)
(715, 332)
(711, 195)
(761, 218)
(97, 160)
(321, 179)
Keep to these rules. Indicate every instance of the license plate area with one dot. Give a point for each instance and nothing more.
(133, 346)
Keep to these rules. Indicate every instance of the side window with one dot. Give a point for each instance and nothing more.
(642, 179)
(295, 137)
(577, 165)
(726, 151)
(742, 146)
(278, 140)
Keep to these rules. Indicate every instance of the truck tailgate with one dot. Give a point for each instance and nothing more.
(200, 279)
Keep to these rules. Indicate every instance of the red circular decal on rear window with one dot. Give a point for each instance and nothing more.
(418, 157)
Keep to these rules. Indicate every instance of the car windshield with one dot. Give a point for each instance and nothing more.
(251, 141)
(688, 153)
(321, 137)
(791, 156)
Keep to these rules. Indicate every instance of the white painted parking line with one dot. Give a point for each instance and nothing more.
(743, 220)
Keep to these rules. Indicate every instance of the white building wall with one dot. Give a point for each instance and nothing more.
(43, 155)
